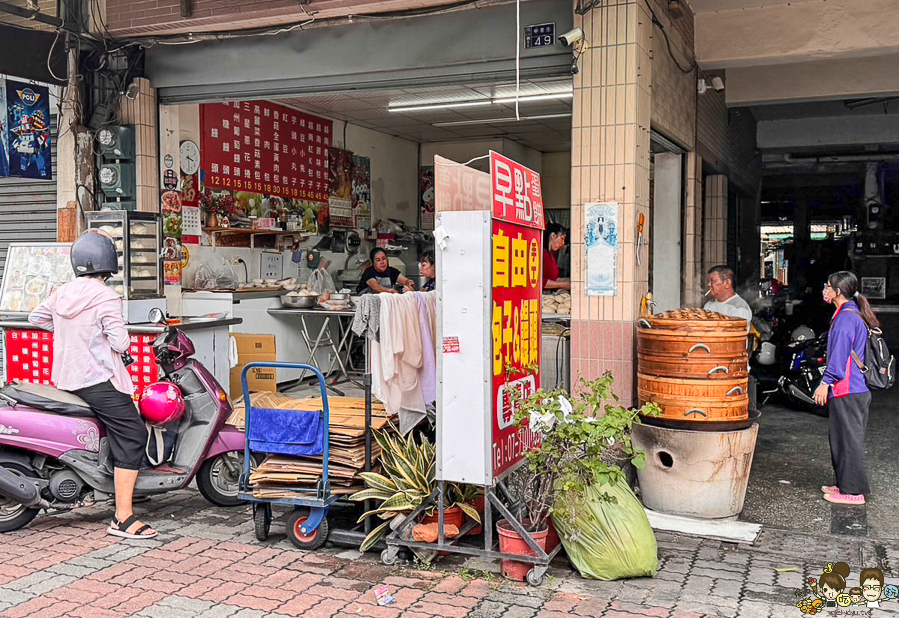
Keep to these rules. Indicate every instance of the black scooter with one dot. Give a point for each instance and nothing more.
(803, 365)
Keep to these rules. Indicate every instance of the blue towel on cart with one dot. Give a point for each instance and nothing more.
(286, 432)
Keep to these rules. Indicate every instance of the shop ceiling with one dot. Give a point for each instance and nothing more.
(478, 111)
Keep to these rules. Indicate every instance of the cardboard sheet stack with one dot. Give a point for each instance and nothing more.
(280, 475)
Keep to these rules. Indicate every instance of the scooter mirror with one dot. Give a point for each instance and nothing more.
(156, 316)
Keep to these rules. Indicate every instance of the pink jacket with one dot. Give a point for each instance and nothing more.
(89, 335)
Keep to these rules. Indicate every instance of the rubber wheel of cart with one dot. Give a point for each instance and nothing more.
(534, 579)
(309, 542)
(262, 521)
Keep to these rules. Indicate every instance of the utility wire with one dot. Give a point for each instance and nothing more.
(661, 27)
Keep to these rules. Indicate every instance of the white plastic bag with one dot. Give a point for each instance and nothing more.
(204, 279)
(320, 282)
(225, 279)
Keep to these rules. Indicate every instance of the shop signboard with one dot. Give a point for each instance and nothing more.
(265, 148)
(517, 253)
(489, 269)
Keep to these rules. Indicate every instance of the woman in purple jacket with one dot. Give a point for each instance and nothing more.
(843, 388)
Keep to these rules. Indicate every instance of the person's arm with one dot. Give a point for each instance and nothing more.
(377, 288)
(405, 282)
(557, 284)
(838, 348)
(42, 316)
(113, 324)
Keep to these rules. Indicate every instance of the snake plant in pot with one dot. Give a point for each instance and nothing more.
(406, 481)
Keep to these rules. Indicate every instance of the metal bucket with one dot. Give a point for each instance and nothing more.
(695, 473)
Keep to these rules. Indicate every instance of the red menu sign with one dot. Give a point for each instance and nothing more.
(517, 287)
(265, 148)
(29, 358)
(517, 193)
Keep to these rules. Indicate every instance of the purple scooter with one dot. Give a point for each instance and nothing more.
(54, 454)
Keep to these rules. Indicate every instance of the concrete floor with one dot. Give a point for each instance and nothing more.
(792, 461)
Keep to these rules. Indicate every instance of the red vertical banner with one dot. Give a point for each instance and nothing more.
(517, 254)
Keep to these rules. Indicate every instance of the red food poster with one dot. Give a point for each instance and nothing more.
(265, 148)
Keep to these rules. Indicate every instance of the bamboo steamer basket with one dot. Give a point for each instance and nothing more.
(696, 400)
(693, 363)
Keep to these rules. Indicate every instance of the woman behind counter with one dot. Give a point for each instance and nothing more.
(553, 240)
(380, 276)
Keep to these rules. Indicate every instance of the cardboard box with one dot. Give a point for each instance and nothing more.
(254, 349)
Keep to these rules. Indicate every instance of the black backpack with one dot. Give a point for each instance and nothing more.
(879, 370)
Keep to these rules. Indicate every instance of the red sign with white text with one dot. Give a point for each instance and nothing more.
(265, 148)
(517, 192)
(28, 357)
(517, 287)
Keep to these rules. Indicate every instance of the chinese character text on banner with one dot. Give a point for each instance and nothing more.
(517, 250)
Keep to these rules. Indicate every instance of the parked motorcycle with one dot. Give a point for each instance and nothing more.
(804, 365)
(54, 454)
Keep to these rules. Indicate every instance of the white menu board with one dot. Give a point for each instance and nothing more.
(33, 271)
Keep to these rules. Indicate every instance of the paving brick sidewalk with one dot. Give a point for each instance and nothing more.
(207, 564)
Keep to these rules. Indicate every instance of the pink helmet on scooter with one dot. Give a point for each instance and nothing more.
(161, 403)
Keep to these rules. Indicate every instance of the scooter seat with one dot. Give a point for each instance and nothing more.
(46, 398)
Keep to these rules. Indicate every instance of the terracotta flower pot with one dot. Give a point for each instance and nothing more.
(511, 543)
(453, 515)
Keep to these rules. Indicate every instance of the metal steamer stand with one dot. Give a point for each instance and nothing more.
(489, 264)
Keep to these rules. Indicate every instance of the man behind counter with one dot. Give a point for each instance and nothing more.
(725, 300)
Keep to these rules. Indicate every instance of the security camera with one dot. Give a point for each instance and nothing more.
(717, 83)
(571, 37)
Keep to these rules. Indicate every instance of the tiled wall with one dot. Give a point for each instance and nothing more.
(726, 138)
(715, 221)
(142, 113)
(673, 91)
(694, 275)
(610, 162)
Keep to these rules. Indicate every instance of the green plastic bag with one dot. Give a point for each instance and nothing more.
(610, 540)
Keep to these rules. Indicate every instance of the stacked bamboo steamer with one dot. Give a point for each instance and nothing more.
(693, 363)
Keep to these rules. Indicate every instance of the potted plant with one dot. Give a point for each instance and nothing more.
(407, 480)
(217, 206)
(585, 438)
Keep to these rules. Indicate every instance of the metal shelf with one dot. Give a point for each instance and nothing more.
(212, 231)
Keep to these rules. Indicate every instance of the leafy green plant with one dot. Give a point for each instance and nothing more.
(584, 440)
(407, 480)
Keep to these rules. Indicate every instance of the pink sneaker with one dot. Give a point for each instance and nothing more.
(850, 499)
(830, 489)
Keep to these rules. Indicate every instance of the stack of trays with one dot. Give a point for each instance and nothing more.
(693, 363)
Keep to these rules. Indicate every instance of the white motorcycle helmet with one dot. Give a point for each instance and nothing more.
(802, 333)
(765, 355)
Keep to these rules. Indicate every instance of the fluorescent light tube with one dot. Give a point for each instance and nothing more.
(421, 108)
